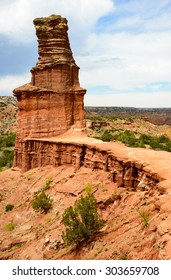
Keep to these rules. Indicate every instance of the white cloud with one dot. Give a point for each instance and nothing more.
(10, 82)
(140, 15)
(139, 100)
(144, 8)
(125, 61)
(16, 16)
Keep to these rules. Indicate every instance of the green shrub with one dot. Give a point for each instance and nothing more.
(127, 137)
(163, 139)
(8, 140)
(42, 202)
(156, 143)
(106, 136)
(6, 159)
(9, 207)
(124, 256)
(81, 221)
(1, 142)
(29, 176)
(145, 139)
(94, 118)
(10, 226)
(47, 184)
(145, 217)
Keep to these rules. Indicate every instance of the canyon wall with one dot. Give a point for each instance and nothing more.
(125, 173)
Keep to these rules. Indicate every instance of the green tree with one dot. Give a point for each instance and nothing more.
(6, 159)
(42, 202)
(106, 136)
(81, 221)
(10, 140)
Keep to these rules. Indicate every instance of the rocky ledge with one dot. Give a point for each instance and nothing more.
(127, 167)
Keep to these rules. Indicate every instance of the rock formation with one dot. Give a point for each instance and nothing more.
(124, 172)
(52, 102)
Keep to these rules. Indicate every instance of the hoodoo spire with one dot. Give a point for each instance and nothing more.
(52, 103)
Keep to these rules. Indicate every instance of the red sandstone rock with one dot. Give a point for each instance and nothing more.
(53, 102)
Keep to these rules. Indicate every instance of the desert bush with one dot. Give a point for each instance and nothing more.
(6, 159)
(145, 217)
(127, 137)
(81, 221)
(29, 176)
(1, 142)
(124, 256)
(163, 139)
(7, 140)
(10, 140)
(42, 202)
(94, 118)
(47, 184)
(106, 136)
(9, 207)
(7, 154)
(145, 139)
(156, 143)
(10, 226)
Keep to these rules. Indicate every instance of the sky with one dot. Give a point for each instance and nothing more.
(123, 48)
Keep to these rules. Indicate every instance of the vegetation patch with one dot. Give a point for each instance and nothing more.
(7, 140)
(7, 143)
(10, 226)
(95, 118)
(9, 207)
(47, 184)
(42, 202)
(109, 118)
(30, 176)
(81, 221)
(129, 138)
(145, 217)
(6, 159)
(123, 256)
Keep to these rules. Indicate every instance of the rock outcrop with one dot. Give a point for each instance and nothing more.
(125, 172)
(52, 102)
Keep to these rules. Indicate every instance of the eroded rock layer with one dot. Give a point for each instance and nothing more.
(52, 102)
(127, 173)
(56, 68)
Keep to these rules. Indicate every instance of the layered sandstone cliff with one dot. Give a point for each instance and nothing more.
(123, 170)
(52, 102)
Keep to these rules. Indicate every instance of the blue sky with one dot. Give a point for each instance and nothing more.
(123, 47)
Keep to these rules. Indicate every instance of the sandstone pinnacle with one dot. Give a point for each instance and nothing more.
(52, 103)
